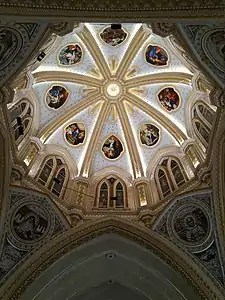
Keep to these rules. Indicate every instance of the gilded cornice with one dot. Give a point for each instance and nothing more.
(110, 10)
(73, 238)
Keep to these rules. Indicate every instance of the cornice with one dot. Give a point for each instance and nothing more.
(105, 10)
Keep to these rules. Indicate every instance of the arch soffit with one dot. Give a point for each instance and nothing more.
(182, 31)
(75, 237)
(218, 177)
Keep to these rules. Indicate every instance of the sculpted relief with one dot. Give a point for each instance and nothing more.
(30, 223)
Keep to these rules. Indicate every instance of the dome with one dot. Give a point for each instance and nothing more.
(117, 104)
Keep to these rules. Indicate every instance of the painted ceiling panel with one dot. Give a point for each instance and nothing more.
(88, 119)
(147, 151)
(174, 64)
(119, 50)
(52, 62)
(112, 127)
(76, 93)
(102, 114)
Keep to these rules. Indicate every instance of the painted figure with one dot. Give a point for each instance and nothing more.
(56, 96)
(102, 200)
(156, 56)
(70, 55)
(149, 134)
(113, 37)
(112, 147)
(191, 225)
(194, 231)
(169, 98)
(75, 133)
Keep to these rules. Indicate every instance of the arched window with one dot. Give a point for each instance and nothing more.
(170, 175)
(46, 172)
(119, 195)
(111, 194)
(177, 173)
(104, 196)
(58, 184)
(202, 116)
(24, 111)
(164, 184)
(54, 175)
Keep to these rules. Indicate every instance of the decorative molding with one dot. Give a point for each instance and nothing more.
(32, 220)
(188, 222)
(163, 29)
(62, 28)
(217, 97)
(109, 11)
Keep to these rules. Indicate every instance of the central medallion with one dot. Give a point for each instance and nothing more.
(113, 89)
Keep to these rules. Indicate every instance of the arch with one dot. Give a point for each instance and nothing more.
(162, 182)
(55, 150)
(102, 199)
(120, 194)
(24, 110)
(175, 151)
(202, 120)
(116, 171)
(111, 236)
(169, 175)
(31, 96)
(54, 174)
(111, 193)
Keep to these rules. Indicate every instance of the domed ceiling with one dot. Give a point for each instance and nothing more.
(113, 98)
